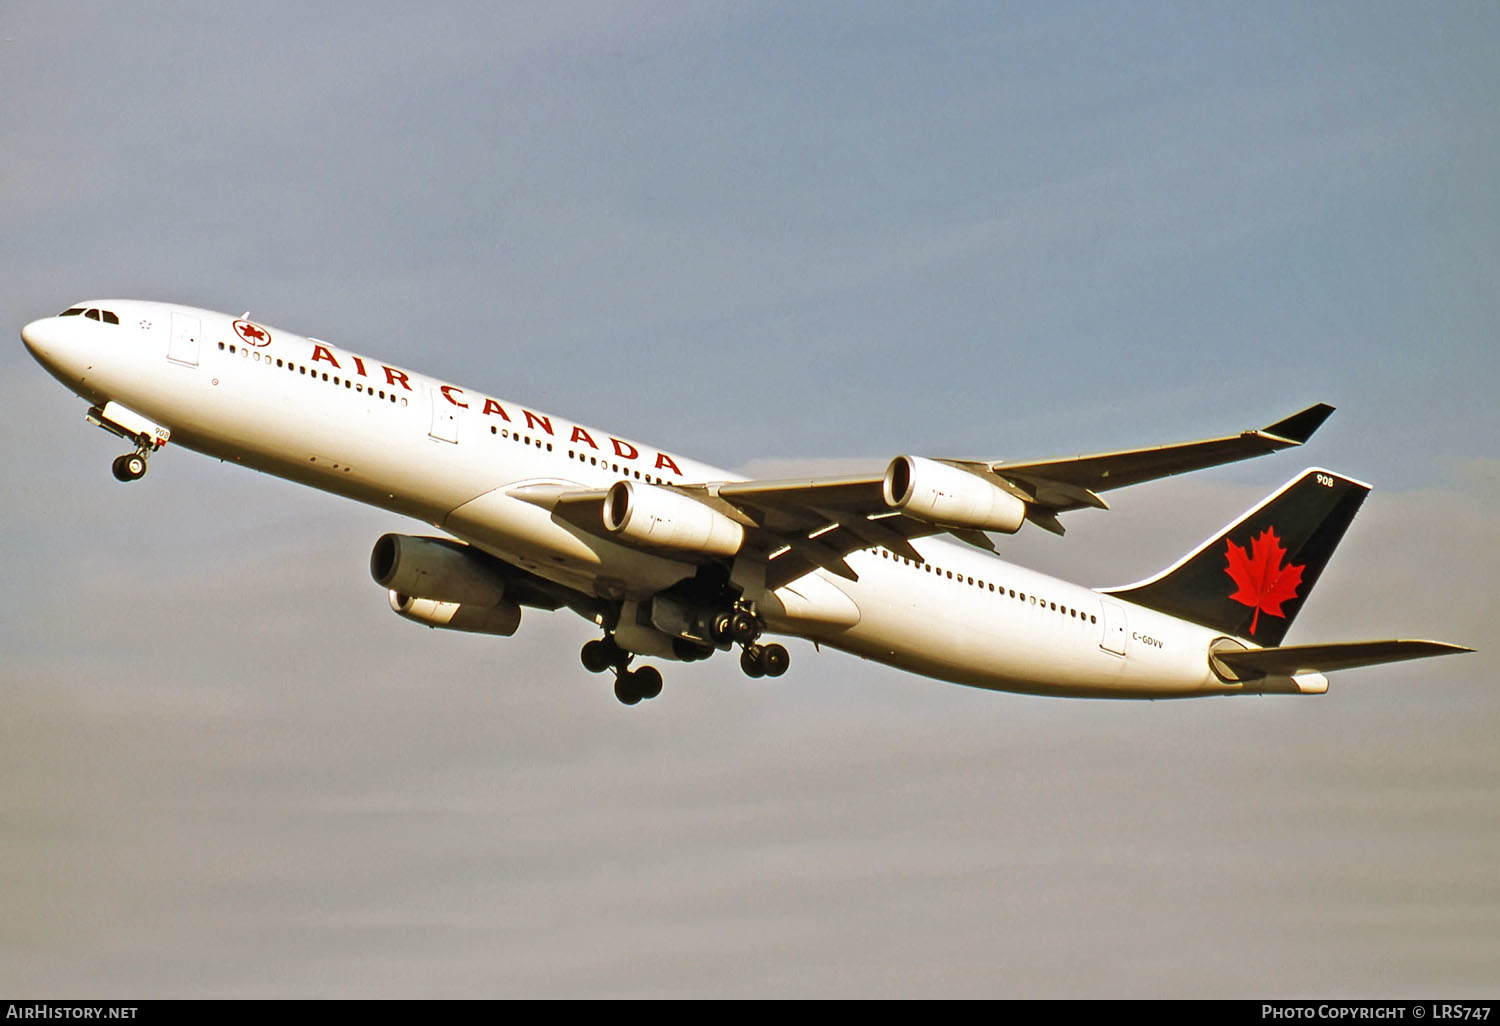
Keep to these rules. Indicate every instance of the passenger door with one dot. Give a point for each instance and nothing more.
(183, 346)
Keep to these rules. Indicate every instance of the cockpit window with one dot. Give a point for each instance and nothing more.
(109, 318)
(92, 315)
(72, 311)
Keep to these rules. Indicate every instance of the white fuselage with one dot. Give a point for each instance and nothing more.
(309, 411)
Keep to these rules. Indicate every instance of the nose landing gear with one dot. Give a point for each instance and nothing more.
(131, 466)
(131, 426)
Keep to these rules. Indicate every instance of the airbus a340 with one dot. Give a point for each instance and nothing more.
(673, 559)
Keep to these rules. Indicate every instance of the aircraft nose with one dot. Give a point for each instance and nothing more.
(50, 342)
(39, 338)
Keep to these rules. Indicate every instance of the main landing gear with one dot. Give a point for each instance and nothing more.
(743, 628)
(630, 685)
(735, 627)
(764, 660)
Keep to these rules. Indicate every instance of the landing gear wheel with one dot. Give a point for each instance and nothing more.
(774, 659)
(743, 627)
(130, 467)
(721, 632)
(647, 681)
(595, 657)
(598, 656)
(625, 692)
(751, 661)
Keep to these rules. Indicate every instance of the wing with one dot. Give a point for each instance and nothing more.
(1074, 482)
(799, 524)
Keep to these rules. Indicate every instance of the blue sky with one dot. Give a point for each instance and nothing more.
(769, 235)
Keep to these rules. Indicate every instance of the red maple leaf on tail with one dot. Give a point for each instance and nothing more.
(1264, 584)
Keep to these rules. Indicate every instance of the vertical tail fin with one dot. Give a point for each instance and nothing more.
(1251, 579)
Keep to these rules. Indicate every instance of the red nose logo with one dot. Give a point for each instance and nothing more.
(252, 335)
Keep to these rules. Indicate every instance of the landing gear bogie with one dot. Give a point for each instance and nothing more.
(631, 686)
(764, 660)
(634, 685)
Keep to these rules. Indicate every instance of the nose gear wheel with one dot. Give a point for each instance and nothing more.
(132, 466)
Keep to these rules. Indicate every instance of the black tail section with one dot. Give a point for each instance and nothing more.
(1252, 578)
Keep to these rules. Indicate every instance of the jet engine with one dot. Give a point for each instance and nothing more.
(950, 496)
(663, 519)
(501, 619)
(436, 568)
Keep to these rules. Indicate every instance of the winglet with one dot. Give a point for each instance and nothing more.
(1299, 427)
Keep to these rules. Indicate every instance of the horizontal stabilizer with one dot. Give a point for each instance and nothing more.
(1294, 659)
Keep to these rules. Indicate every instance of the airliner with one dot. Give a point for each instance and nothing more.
(675, 560)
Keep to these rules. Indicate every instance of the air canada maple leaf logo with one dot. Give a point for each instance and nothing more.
(252, 334)
(1263, 583)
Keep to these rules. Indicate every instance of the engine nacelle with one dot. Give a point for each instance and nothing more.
(502, 619)
(950, 496)
(435, 568)
(664, 519)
